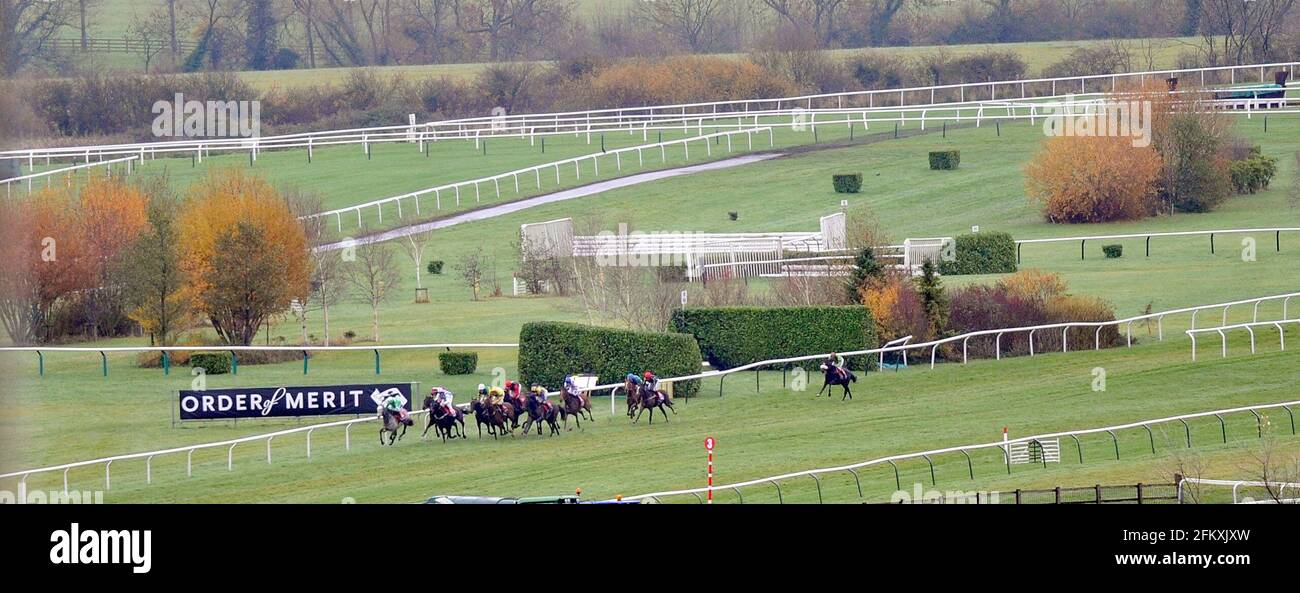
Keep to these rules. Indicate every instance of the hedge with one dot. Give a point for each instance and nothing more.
(549, 351)
(1113, 251)
(435, 266)
(458, 363)
(982, 253)
(850, 183)
(212, 363)
(735, 336)
(945, 160)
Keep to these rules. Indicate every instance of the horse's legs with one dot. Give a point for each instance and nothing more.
(661, 411)
(825, 383)
(381, 436)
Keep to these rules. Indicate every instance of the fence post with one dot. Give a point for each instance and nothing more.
(819, 487)
(898, 483)
(969, 465)
(856, 480)
(1223, 428)
(1115, 439)
(1079, 446)
(1151, 436)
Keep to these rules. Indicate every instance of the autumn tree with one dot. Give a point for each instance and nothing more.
(374, 277)
(26, 28)
(1093, 179)
(43, 262)
(245, 254)
(150, 269)
(110, 216)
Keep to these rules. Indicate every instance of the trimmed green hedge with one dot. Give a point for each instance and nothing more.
(945, 160)
(734, 336)
(549, 351)
(1113, 251)
(435, 266)
(982, 253)
(458, 363)
(850, 183)
(212, 363)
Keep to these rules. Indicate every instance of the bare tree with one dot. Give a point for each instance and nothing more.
(1235, 32)
(25, 28)
(1274, 467)
(471, 267)
(508, 24)
(151, 32)
(373, 277)
(415, 244)
(690, 22)
(816, 16)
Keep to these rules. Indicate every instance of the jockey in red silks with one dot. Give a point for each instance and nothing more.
(443, 397)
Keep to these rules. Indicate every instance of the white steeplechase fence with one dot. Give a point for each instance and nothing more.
(1250, 328)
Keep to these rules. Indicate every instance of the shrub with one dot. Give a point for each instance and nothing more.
(896, 307)
(945, 160)
(1194, 144)
(549, 351)
(1112, 251)
(1068, 308)
(865, 269)
(982, 253)
(458, 363)
(735, 336)
(1025, 299)
(435, 267)
(1253, 173)
(212, 363)
(1094, 179)
(351, 335)
(848, 183)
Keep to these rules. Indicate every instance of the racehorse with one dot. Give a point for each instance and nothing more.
(833, 378)
(446, 423)
(536, 415)
(390, 425)
(495, 418)
(578, 406)
(633, 392)
(514, 408)
(651, 401)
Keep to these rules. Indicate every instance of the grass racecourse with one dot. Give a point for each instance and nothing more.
(74, 413)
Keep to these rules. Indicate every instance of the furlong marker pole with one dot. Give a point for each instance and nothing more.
(708, 446)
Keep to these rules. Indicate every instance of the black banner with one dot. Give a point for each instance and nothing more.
(280, 402)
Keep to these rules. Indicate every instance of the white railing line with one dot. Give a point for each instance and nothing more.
(895, 91)
(935, 343)
(187, 448)
(1237, 484)
(307, 348)
(68, 169)
(1202, 330)
(532, 169)
(1160, 234)
(461, 122)
(960, 448)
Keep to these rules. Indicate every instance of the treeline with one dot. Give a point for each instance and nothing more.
(280, 34)
(116, 107)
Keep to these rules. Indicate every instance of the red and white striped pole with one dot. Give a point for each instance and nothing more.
(708, 445)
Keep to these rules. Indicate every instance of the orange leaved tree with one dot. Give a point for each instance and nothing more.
(245, 254)
(1094, 179)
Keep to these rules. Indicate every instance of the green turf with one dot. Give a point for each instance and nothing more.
(770, 432)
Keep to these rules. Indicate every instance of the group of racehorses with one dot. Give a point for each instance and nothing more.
(505, 418)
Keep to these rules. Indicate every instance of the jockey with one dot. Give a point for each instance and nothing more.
(393, 405)
(651, 382)
(538, 393)
(495, 396)
(835, 362)
(571, 387)
(443, 397)
(634, 379)
(512, 389)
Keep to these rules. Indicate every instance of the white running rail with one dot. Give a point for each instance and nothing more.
(1236, 486)
(1249, 327)
(960, 449)
(465, 127)
(536, 171)
(28, 178)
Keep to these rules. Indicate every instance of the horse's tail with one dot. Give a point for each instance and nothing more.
(853, 377)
